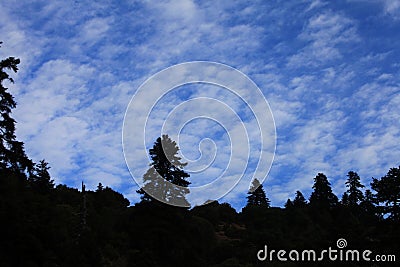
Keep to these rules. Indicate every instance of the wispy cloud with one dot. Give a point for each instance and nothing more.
(332, 84)
(323, 34)
(392, 8)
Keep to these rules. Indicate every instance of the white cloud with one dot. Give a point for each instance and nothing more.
(58, 142)
(334, 100)
(315, 4)
(324, 33)
(392, 8)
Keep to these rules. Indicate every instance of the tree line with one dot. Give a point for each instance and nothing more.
(43, 224)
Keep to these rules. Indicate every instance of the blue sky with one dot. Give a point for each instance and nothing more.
(329, 70)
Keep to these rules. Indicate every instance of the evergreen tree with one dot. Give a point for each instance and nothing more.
(41, 180)
(12, 153)
(288, 204)
(355, 195)
(165, 180)
(368, 203)
(256, 195)
(100, 187)
(299, 200)
(322, 196)
(388, 192)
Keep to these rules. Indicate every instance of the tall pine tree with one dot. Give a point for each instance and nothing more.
(12, 153)
(354, 194)
(322, 196)
(256, 195)
(165, 180)
(41, 180)
(388, 192)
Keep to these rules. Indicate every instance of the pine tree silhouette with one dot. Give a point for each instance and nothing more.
(165, 180)
(256, 195)
(355, 195)
(388, 192)
(322, 195)
(41, 180)
(299, 200)
(12, 153)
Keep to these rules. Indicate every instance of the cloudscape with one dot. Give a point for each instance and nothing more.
(330, 71)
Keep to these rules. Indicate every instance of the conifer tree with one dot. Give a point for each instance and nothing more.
(354, 194)
(12, 153)
(388, 192)
(288, 204)
(100, 187)
(256, 195)
(322, 196)
(368, 203)
(165, 180)
(41, 180)
(299, 200)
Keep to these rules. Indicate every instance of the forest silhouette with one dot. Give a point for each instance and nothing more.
(43, 224)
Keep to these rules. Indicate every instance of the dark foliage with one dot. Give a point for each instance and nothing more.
(354, 193)
(12, 154)
(256, 195)
(165, 180)
(388, 193)
(299, 200)
(322, 196)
